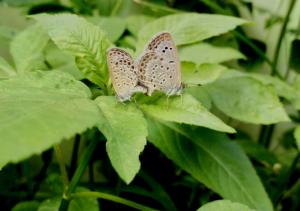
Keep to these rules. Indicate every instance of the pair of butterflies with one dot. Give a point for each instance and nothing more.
(157, 69)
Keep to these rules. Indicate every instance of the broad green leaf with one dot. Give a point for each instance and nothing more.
(257, 151)
(200, 74)
(6, 70)
(27, 48)
(212, 159)
(136, 22)
(18, 3)
(282, 88)
(224, 205)
(297, 136)
(81, 39)
(40, 109)
(7, 33)
(185, 109)
(248, 100)
(206, 53)
(59, 60)
(76, 204)
(200, 94)
(114, 27)
(188, 28)
(125, 129)
(26, 206)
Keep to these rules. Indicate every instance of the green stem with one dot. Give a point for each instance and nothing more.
(113, 198)
(248, 42)
(87, 154)
(157, 7)
(74, 156)
(61, 164)
(281, 36)
(215, 7)
(116, 7)
(270, 128)
(286, 180)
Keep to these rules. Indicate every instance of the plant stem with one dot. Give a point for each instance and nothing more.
(87, 154)
(47, 158)
(270, 128)
(61, 164)
(286, 180)
(116, 8)
(74, 156)
(113, 198)
(247, 41)
(281, 36)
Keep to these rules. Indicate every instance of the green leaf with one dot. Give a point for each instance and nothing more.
(27, 48)
(248, 100)
(114, 27)
(77, 204)
(6, 70)
(59, 60)
(7, 33)
(224, 205)
(297, 136)
(206, 53)
(40, 109)
(200, 74)
(188, 28)
(26, 206)
(282, 88)
(136, 22)
(199, 93)
(212, 159)
(125, 129)
(81, 39)
(257, 151)
(185, 109)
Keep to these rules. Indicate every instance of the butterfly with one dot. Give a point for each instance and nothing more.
(123, 73)
(157, 69)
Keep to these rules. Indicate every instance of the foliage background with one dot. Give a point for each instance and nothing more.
(231, 143)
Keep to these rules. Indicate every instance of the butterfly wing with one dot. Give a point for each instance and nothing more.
(159, 67)
(123, 73)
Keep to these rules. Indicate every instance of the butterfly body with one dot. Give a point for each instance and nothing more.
(157, 69)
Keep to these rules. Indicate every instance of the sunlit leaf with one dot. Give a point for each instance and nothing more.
(212, 159)
(186, 110)
(6, 70)
(224, 205)
(248, 100)
(27, 48)
(125, 129)
(136, 22)
(200, 74)
(206, 53)
(40, 109)
(81, 39)
(188, 28)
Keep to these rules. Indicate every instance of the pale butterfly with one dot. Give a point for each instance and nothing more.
(123, 73)
(159, 66)
(157, 69)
